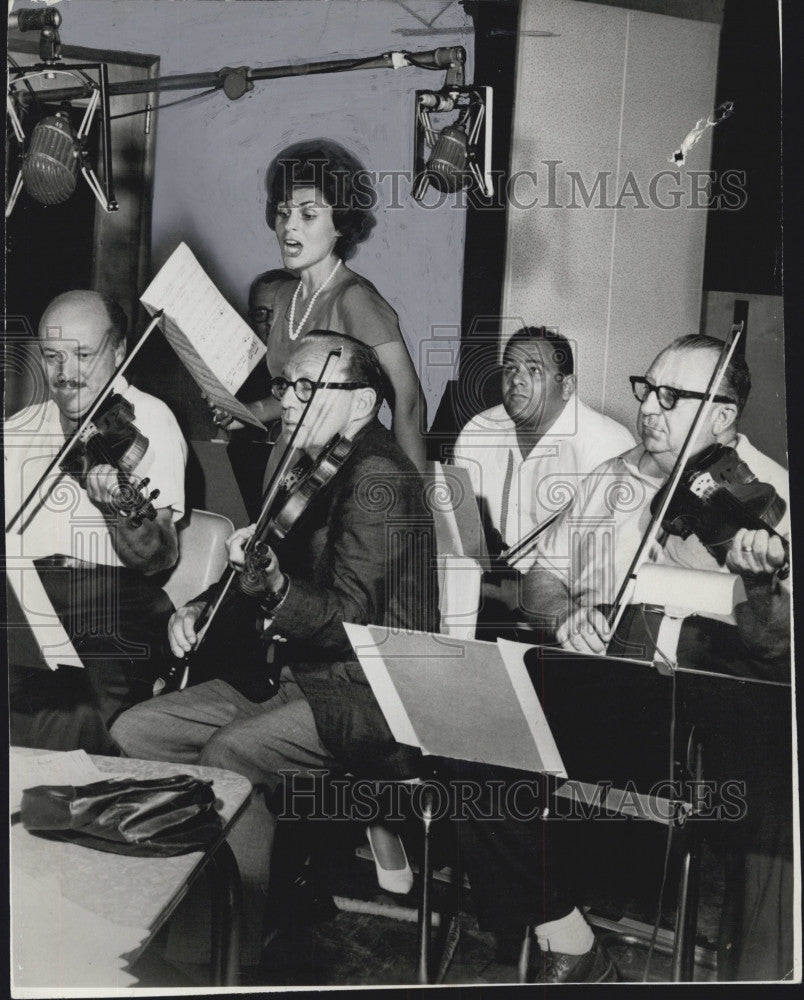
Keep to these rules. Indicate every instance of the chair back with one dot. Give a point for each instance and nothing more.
(459, 580)
(202, 555)
(459, 575)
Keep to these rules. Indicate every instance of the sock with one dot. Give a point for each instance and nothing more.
(571, 934)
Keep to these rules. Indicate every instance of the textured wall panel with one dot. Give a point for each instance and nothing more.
(763, 419)
(610, 95)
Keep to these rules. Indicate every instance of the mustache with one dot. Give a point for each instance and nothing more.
(62, 382)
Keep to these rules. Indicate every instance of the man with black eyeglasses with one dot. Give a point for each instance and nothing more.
(566, 593)
(362, 552)
(580, 568)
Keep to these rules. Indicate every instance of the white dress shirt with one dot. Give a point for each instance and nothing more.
(591, 546)
(517, 493)
(68, 523)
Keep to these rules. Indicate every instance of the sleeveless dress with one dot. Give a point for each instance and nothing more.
(352, 306)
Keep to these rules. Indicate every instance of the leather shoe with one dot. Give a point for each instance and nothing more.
(301, 904)
(594, 966)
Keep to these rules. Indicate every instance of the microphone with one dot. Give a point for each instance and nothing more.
(436, 100)
(459, 153)
(441, 58)
(447, 169)
(50, 167)
(34, 20)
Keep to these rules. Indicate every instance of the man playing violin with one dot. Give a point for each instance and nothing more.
(95, 559)
(362, 552)
(567, 597)
(569, 587)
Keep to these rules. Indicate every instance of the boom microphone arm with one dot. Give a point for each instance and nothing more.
(237, 81)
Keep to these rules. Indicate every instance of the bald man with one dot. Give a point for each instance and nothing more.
(96, 564)
(571, 582)
(363, 552)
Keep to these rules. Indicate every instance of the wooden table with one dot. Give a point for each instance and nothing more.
(138, 892)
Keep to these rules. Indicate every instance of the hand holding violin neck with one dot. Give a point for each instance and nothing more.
(261, 574)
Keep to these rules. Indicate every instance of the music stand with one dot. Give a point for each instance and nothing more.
(615, 769)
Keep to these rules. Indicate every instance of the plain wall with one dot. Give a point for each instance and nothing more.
(211, 154)
(763, 419)
(604, 89)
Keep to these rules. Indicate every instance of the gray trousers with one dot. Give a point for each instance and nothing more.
(214, 725)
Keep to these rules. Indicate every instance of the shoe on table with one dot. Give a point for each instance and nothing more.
(594, 966)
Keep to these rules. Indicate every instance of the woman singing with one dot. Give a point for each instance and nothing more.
(320, 202)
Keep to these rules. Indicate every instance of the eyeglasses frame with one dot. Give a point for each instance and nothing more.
(313, 386)
(676, 393)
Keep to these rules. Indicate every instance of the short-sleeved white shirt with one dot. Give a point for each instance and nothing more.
(519, 493)
(69, 523)
(591, 547)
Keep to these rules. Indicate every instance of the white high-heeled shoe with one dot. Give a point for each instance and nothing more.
(387, 849)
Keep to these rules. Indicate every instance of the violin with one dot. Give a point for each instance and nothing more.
(112, 438)
(305, 481)
(89, 420)
(288, 495)
(717, 495)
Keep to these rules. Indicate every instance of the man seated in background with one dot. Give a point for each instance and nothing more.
(299, 703)
(526, 455)
(95, 561)
(572, 581)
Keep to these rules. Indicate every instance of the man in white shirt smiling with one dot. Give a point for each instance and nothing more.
(96, 562)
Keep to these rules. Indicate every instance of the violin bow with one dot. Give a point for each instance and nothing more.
(629, 581)
(70, 443)
(526, 544)
(208, 614)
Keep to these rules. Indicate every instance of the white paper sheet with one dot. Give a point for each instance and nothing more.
(56, 943)
(216, 345)
(50, 767)
(37, 610)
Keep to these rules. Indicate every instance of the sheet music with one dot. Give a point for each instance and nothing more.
(455, 698)
(217, 394)
(459, 529)
(217, 346)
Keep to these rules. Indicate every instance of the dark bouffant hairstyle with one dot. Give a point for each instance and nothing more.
(339, 176)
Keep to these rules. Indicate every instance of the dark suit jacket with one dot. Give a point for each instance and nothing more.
(364, 552)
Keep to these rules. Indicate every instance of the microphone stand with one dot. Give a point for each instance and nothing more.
(236, 81)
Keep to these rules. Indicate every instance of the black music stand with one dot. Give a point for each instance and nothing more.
(635, 739)
(626, 751)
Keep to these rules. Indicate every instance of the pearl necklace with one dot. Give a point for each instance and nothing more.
(293, 334)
